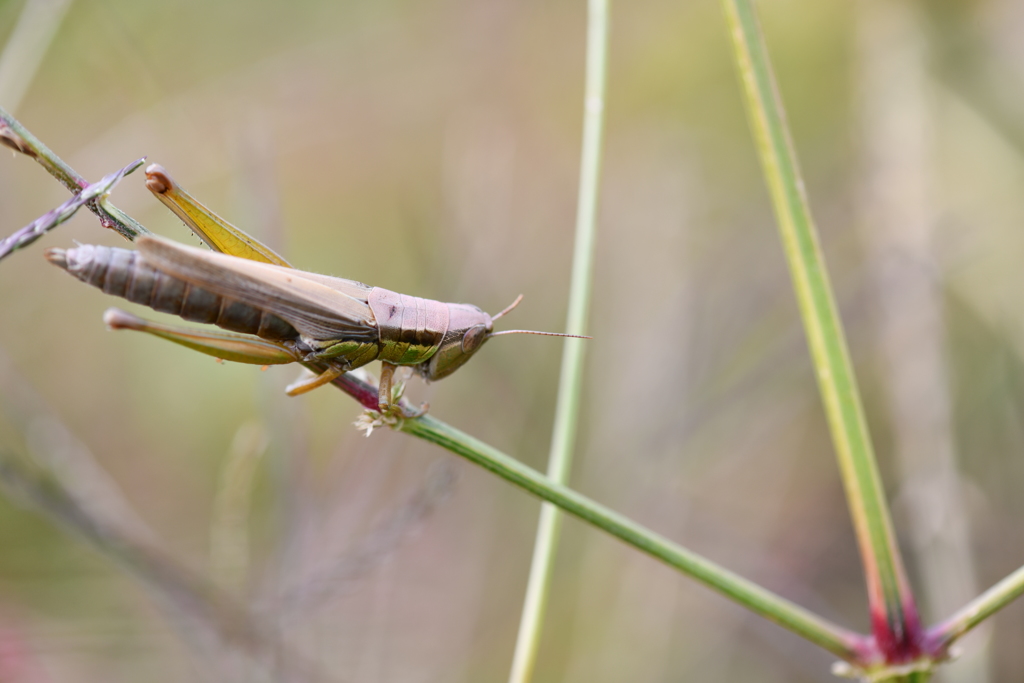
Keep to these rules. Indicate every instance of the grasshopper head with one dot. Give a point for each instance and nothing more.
(468, 329)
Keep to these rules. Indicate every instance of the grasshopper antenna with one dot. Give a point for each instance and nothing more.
(508, 308)
(546, 334)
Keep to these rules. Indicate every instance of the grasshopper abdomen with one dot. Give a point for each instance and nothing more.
(123, 273)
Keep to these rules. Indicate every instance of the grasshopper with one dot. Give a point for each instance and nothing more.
(278, 314)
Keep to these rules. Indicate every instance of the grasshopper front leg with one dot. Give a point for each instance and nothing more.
(384, 394)
(387, 376)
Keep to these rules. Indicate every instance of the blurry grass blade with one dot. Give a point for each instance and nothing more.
(339, 574)
(212, 615)
(48, 221)
(563, 438)
(893, 612)
(218, 234)
(229, 526)
(898, 220)
(27, 45)
(48, 442)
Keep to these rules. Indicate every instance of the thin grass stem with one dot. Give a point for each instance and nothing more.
(570, 385)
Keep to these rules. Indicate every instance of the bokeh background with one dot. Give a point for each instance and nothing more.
(432, 148)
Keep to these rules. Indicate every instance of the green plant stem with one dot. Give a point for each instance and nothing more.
(837, 640)
(570, 385)
(18, 138)
(894, 615)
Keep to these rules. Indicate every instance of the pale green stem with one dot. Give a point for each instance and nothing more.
(978, 610)
(570, 384)
(893, 612)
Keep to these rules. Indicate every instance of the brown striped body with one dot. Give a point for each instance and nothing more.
(123, 273)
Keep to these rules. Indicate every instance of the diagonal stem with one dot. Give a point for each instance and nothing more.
(18, 138)
(837, 640)
(943, 635)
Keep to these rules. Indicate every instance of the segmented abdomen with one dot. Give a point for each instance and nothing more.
(125, 273)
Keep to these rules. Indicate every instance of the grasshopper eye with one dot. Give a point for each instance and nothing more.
(473, 338)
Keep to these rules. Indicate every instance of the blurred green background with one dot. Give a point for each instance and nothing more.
(432, 148)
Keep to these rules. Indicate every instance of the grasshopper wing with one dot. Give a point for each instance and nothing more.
(315, 309)
(354, 288)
